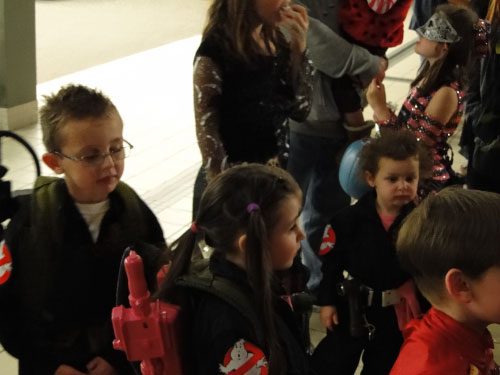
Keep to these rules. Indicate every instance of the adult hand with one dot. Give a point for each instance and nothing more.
(294, 18)
(99, 366)
(68, 370)
(381, 71)
(329, 316)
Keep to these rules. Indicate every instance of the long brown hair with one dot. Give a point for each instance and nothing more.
(222, 218)
(456, 64)
(233, 22)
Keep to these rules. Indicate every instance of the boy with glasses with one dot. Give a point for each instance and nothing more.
(66, 241)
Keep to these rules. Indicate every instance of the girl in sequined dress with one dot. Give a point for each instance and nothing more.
(435, 104)
(249, 79)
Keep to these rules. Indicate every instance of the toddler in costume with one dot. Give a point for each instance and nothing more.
(375, 25)
(365, 296)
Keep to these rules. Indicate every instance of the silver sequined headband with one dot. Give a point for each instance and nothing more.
(438, 29)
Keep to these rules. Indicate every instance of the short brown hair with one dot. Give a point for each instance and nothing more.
(71, 102)
(456, 228)
(393, 144)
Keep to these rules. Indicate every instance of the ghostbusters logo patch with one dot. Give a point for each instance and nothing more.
(244, 358)
(5, 263)
(328, 241)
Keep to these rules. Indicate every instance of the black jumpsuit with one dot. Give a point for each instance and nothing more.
(366, 250)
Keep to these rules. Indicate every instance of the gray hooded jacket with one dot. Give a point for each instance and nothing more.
(333, 57)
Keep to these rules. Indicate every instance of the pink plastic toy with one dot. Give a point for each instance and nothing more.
(147, 331)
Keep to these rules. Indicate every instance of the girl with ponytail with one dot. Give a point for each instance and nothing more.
(249, 215)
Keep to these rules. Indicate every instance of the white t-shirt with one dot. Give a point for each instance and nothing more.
(93, 214)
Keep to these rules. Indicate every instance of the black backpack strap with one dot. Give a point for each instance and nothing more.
(226, 290)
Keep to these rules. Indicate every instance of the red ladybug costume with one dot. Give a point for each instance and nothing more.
(374, 29)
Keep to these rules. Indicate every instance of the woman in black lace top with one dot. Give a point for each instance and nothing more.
(248, 81)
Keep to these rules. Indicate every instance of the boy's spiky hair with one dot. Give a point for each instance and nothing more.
(71, 102)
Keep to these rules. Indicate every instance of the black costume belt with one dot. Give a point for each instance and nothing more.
(359, 297)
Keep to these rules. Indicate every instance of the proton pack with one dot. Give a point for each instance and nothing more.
(154, 332)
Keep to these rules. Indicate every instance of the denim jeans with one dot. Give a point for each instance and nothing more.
(312, 162)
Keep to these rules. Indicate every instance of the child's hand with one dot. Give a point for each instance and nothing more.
(68, 370)
(381, 72)
(295, 19)
(99, 366)
(375, 95)
(328, 316)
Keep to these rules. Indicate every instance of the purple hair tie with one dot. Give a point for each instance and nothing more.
(253, 207)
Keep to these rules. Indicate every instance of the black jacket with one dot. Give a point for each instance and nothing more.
(221, 335)
(56, 304)
(481, 134)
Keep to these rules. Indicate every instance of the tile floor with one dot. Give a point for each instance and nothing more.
(153, 92)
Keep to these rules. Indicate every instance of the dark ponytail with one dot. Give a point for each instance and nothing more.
(260, 277)
(178, 257)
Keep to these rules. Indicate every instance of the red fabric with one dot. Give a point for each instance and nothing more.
(408, 308)
(439, 345)
(368, 27)
(381, 6)
(328, 241)
(387, 221)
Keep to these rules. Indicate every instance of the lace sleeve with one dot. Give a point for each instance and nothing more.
(207, 89)
(303, 85)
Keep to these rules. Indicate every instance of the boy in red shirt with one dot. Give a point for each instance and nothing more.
(450, 244)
